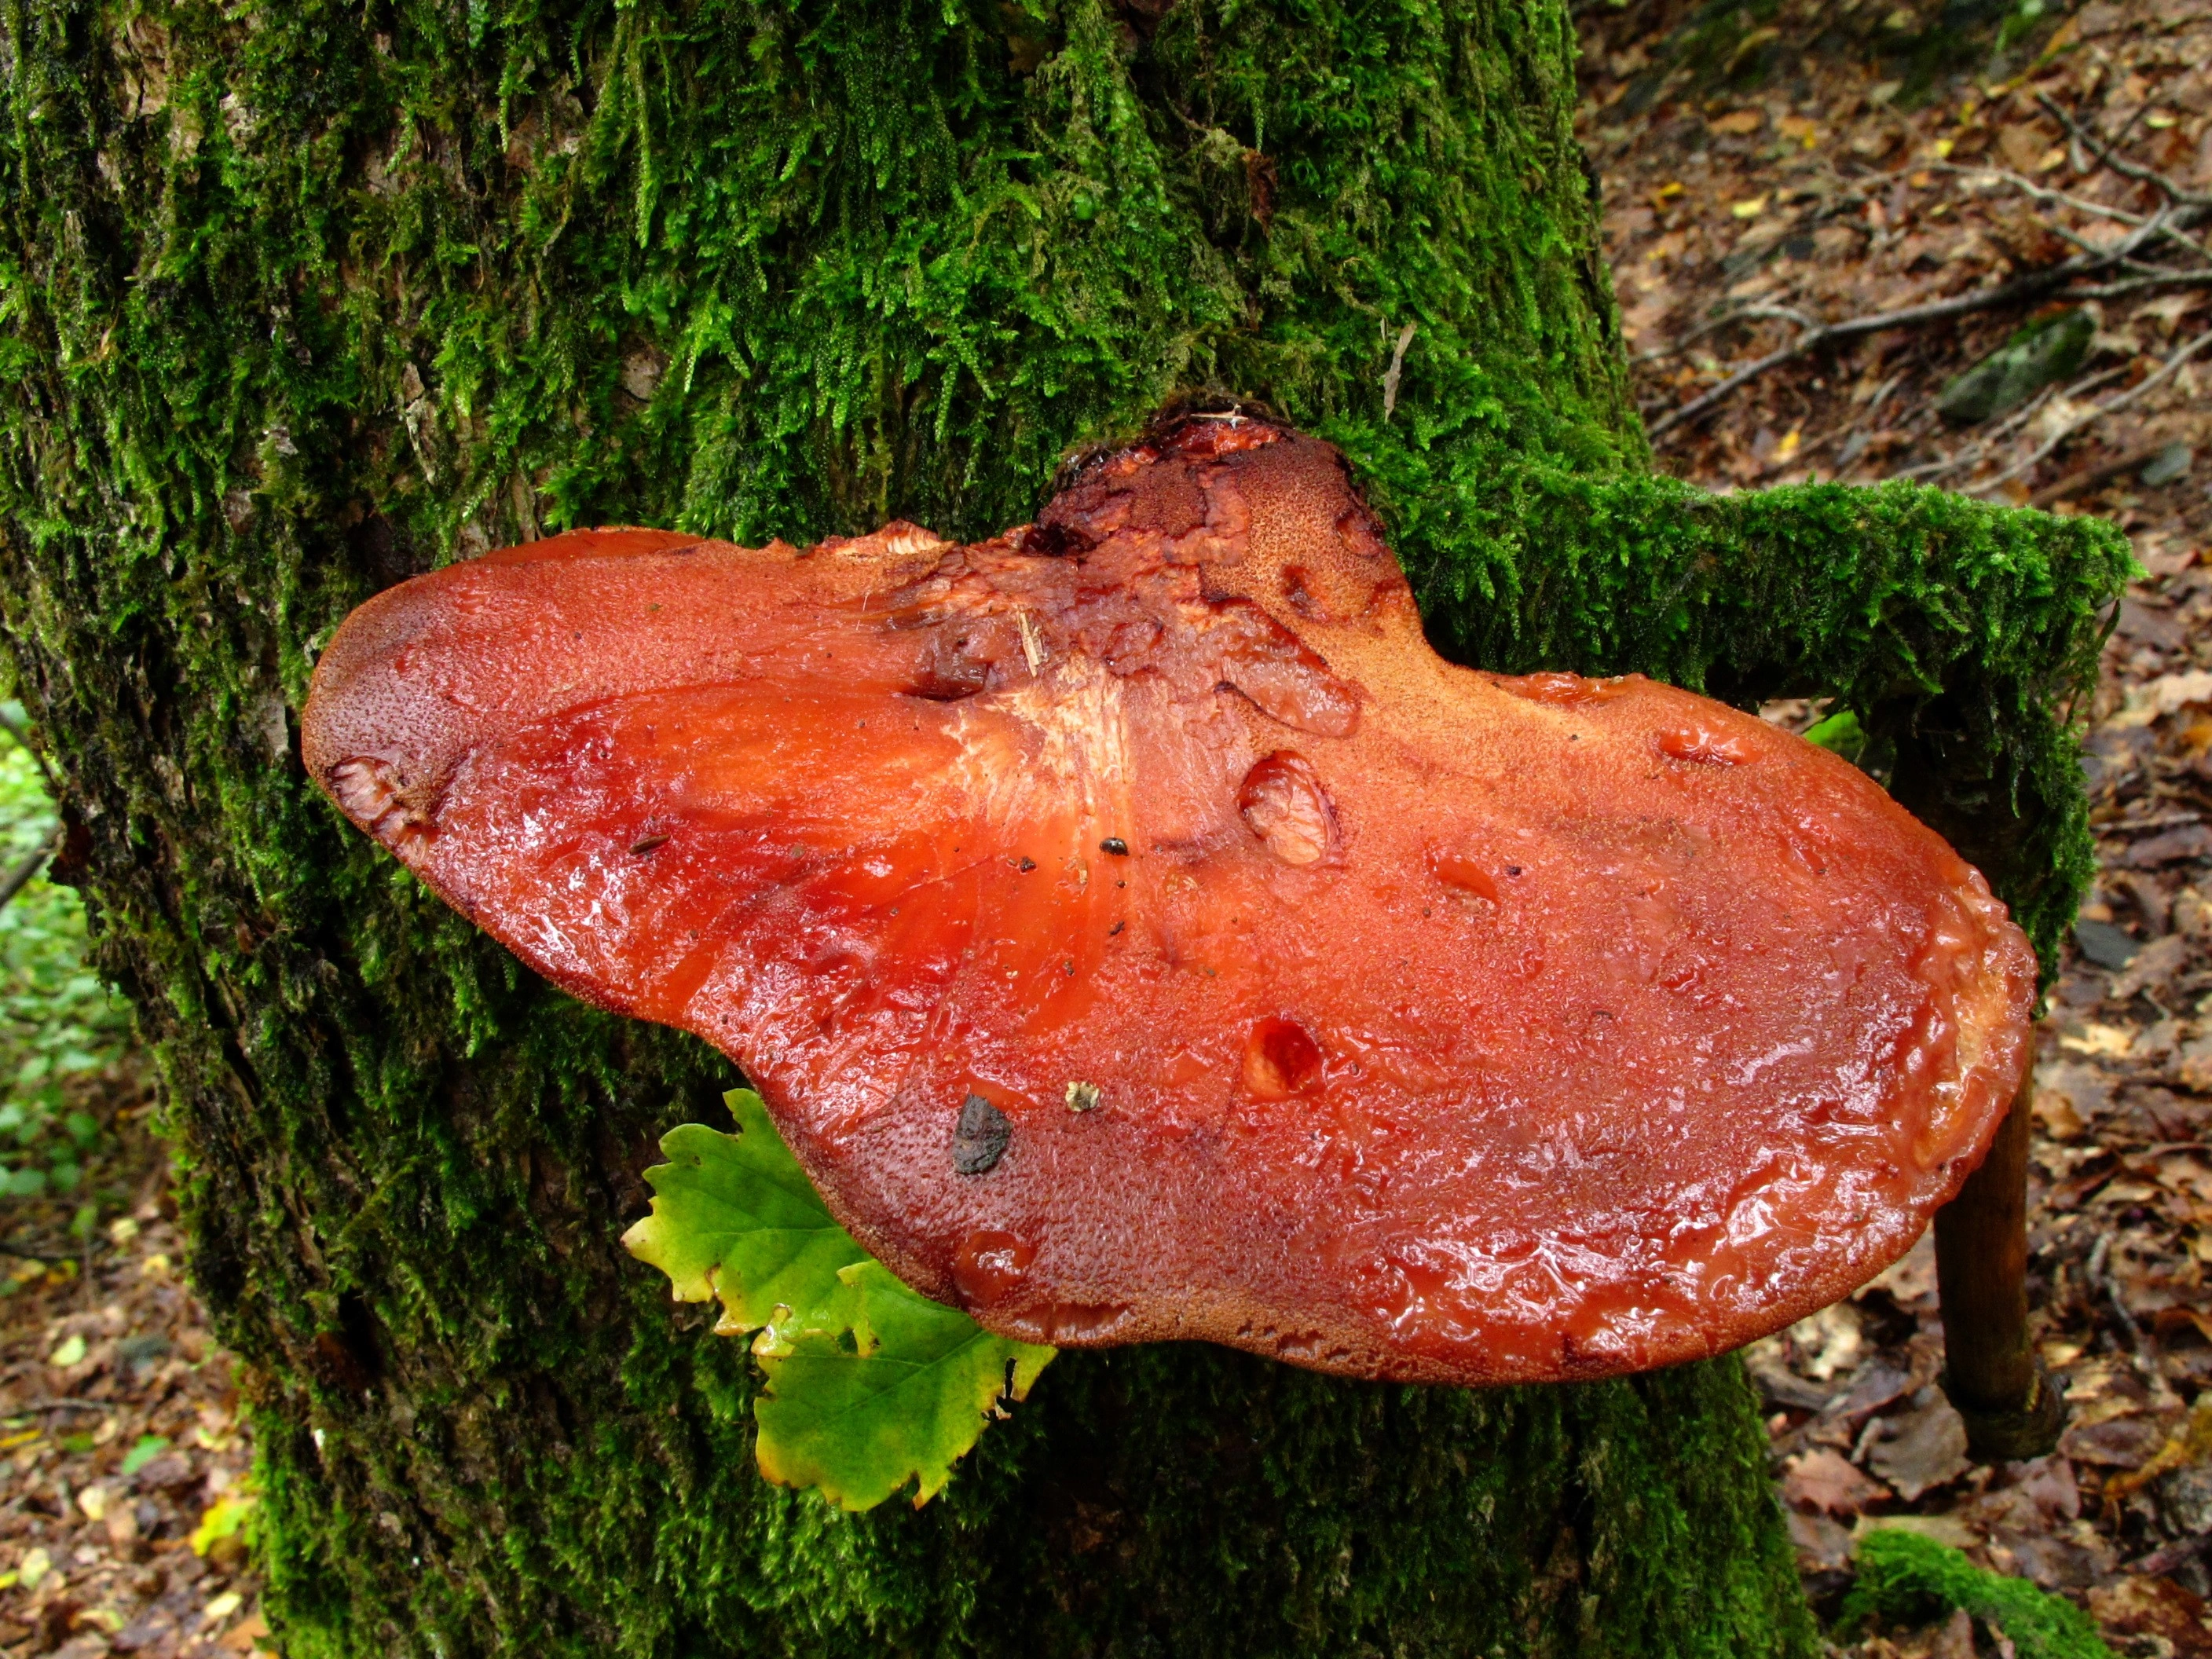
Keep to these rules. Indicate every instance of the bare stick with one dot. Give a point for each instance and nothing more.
(2032, 286)
(17, 878)
(2041, 192)
(2090, 477)
(1397, 367)
(2106, 156)
(1974, 453)
(1741, 314)
(2129, 285)
(2166, 372)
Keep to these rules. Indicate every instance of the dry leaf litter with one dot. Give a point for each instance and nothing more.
(126, 1502)
(1821, 177)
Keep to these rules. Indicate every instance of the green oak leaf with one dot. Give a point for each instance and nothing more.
(735, 1219)
(871, 1385)
(900, 1395)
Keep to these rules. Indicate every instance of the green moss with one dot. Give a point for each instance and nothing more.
(1911, 1579)
(297, 300)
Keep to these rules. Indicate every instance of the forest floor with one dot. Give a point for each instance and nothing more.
(1768, 172)
(125, 1504)
(1844, 174)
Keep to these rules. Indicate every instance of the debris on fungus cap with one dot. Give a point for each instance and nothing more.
(1138, 933)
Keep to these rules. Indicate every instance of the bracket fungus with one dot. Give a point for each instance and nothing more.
(1138, 932)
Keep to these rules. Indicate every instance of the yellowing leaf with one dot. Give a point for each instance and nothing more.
(1669, 191)
(899, 1401)
(1803, 128)
(1787, 449)
(70, 1353)
(872, 1388)
(219, 1520)
(735, 1218)
(1750, 207)
(32, 1569)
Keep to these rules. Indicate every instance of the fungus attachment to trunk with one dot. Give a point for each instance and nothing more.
(1135, 902)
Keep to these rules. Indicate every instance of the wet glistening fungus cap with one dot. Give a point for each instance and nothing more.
(1140, 933)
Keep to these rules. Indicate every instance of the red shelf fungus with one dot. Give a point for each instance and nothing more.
(1140, 933)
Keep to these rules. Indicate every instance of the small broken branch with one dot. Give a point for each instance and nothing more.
(1977, 450)
(1740, 314)
(2073, 483)
(2128, 285)
(32, 862)
(2039, 192)
(2182, 209)
(2033, 286)
(1397, 367)
(2105, 155)
(2050, 446)
(22, 740)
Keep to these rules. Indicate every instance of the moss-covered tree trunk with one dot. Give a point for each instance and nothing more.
(297, 298)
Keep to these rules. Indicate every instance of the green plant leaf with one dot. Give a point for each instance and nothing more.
(899, 1396)
(1840, 732)
(872, 1386)
(735, 1219)
(144, 1451)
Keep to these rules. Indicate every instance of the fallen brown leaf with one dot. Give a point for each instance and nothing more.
(1821, 1480)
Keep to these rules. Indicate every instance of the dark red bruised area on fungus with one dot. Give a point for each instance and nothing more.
(1138, 933)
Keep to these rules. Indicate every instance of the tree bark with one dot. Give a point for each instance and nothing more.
(296, 300)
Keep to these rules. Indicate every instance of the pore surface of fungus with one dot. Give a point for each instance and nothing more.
(1138, 932)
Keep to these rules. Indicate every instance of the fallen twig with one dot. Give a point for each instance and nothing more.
(2128, 285)
(31, 1407)
(2033, 286)
(2050, 446)
(2090, 477)
(22, 1252)
(2107, 156)
(32, 862)
(23, 739)
(2041, 192)
(1741, 314)
(1975, 451)
(2165, 1558)
(2099, 1274)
